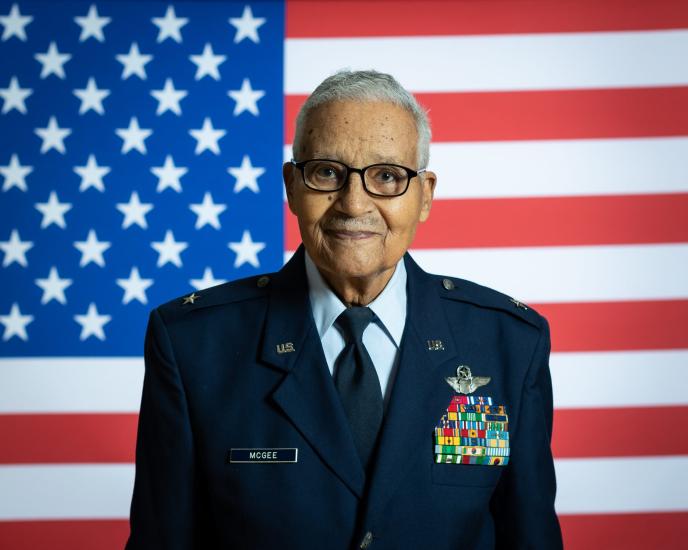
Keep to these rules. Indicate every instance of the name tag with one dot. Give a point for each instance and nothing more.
(263, 455)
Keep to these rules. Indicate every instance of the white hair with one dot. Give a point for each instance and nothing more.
(367, 86)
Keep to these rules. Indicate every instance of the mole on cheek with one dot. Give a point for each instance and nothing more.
(329, 198)
(310, 131)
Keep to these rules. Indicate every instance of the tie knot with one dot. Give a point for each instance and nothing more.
(353, 321)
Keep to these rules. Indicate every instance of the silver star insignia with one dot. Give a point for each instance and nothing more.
(518, 303)
(190, 299)
(465, 382)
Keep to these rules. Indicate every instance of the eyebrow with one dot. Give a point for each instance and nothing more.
(376, 158)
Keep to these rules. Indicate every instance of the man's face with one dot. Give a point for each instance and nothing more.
(349, 233)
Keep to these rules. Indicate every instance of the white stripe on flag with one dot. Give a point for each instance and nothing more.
(558, 168)
(69, 491)
(70, 384)
(569, 273)
(612, 485)
(580, 380)
(600, 485)
(619, 379)
(507, 62)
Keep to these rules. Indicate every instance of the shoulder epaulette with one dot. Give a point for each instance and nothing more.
(233, 291)
(453, 288)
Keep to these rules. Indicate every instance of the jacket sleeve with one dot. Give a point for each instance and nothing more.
(162, 507)
(523, 504)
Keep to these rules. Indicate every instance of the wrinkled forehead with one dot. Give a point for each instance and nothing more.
(373, 131)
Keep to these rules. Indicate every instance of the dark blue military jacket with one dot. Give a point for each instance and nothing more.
(221, 375)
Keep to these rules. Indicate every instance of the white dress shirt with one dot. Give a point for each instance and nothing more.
(381, 338)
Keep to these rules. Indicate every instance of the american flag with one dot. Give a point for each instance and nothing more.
(140, 151)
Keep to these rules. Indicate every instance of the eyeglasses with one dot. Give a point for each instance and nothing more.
(379, 180)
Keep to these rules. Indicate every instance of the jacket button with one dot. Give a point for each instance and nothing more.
(263, 281)
(367, 539)
(448, 284)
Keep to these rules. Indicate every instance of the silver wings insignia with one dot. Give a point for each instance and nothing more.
(465, 382)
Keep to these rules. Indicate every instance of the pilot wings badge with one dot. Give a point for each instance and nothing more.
(464, 382)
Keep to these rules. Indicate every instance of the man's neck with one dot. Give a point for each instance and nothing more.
(358, 291)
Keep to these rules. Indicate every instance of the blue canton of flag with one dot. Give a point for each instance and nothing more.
(140, 153)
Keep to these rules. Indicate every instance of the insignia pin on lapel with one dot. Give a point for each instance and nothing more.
(287, 347)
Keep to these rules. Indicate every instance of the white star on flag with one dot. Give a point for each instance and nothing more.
(207, 63)
(53, 211)
(53, 287)
(53, 136)
(134, 211)
(92, 25)
(92, 174)
(246, 175)
(133, 137)
(15, 174)
(169, 98)
(92, 249)
(134, 287)
(14, 24)
(246, 98)
(92, 323)
(53, 61)
(14, 97)
(207, 137)
(15, 323)
(91, 97)
(15, 250)
(207, 212)
(246, 250)
(134, 62)
(207, 281)
(169, 250)
(170, 26)
(168, 175)
(246, 26)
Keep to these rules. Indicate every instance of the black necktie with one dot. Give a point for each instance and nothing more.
(357, 382)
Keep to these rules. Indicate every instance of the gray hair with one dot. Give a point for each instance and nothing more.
(367, 86)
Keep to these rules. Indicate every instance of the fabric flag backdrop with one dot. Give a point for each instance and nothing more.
(140, 151)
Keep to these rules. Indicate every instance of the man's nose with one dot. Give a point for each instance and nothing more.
(353, 198)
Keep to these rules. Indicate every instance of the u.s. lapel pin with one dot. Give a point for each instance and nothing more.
(287, 347)
(190, 299)
(464, 381)
(435, 345)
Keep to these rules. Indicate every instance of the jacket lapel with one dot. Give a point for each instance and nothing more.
(420, 392)
(307, 395)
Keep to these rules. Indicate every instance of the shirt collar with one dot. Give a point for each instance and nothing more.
(389, 306)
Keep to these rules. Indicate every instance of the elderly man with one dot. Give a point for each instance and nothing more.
(351, 399)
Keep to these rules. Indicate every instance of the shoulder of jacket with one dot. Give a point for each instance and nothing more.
(240, 290)
(461, 290)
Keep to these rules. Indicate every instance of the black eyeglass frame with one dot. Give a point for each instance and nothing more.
(361, 172)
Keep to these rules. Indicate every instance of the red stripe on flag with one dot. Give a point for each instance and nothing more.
(578, 433)
(551, 221)
(625, 531)
(616, 326)
(64, 535)
(70, 439)
(581, 532)
(318, 19)
(65, 438)
(561, 114)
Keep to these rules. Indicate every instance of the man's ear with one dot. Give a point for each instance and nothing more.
(428, 192)
(289, 176)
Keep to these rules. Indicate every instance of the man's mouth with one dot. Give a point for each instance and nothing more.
(351, 234)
